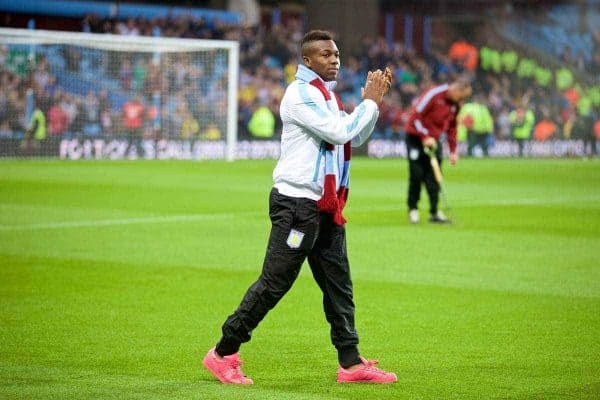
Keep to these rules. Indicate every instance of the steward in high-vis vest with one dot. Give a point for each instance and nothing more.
(522, 121)
(37, 129)
(262, 123)
(543, 76)
(35, 133)
(584, 124)
(509, 60)
(479, 124)
(564, 78)
(526, 68)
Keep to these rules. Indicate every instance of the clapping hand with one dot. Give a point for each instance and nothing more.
(377, 85)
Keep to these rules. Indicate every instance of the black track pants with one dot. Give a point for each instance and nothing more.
(299, 231)
(420, 171)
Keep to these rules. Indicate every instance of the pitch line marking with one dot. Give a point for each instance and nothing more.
(225, 216)
(148, 220)
(126, 221)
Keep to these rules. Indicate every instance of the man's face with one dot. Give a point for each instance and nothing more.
(323, 57)
(458, 94)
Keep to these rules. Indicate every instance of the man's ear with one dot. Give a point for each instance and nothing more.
(306, 60)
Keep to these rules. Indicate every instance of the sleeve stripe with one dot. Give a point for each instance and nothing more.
(303, 89)
(360, 111)
(429, 95)
(420, 127)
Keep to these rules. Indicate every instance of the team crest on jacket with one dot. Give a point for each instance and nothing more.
(294, 239)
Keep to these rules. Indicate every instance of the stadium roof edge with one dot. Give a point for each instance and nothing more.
(114, 9)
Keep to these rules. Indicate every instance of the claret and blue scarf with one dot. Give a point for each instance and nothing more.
(332, 202)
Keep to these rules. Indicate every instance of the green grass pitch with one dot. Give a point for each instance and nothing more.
(115, 278)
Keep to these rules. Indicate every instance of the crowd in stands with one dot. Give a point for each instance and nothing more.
(504, 81)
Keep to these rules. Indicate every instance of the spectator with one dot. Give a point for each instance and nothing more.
(139, 75)
(133, 118)
(70, 108)
(509, 59)
(244, 114)
(78, 123)
(152, 82)
(106, 122)
(58, 120)
(464, 54)
(128, 28)
(545, 129)
(190, 128)
(476, 118)
(262, 123)
(41, 76)
(584, 122)
(503, 124)
(5, 131)
(522, 121)
(126, 74)
(212, 132)
(91, 112)
(36, 132)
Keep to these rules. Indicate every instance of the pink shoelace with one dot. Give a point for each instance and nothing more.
(370, 367)
(236, 364)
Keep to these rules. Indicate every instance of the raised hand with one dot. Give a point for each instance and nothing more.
(388, 74)
(377, 85)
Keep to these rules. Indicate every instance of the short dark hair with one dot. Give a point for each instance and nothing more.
(463, 81)
(313, 36)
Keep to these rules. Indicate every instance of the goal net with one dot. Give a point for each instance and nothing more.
(82, 95)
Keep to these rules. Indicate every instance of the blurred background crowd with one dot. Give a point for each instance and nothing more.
(536, 74)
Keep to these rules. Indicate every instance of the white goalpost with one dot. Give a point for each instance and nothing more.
(104, 95)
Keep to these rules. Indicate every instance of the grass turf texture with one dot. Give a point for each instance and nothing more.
(116, 276)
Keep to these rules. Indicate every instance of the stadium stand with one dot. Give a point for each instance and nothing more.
(506, 76)
(567, 31)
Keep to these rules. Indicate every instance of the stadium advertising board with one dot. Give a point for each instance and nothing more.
(501, 148)
(165, 149)
(119, 149)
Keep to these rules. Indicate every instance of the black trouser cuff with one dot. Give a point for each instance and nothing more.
(348, 356)
(227, 347)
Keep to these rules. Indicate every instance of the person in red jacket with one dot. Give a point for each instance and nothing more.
(133, 118)
(433, 114)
